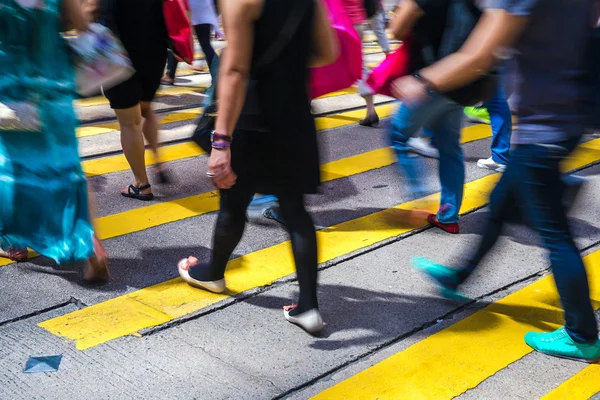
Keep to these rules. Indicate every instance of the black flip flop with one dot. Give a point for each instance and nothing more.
(133, 192)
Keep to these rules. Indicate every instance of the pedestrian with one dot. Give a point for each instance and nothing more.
(140, 24)
(204, 19)
(438, 114)
(43, 195)
(495, 112)
(377, 24)
(272, 44)
(551, 92)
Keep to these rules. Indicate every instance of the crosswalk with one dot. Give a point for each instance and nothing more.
(441, 364)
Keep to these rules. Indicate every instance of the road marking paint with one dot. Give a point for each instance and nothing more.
(133, 221)
(582, 386)
(116, 163)
(169, 300)
(448, 363)
(175, 116)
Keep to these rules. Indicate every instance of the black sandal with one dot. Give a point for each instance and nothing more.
(133, 192)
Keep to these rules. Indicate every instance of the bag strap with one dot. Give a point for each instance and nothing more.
(290, 27)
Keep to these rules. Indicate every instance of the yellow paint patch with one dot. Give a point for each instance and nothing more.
(582, 386)
(458, 358)
(105, 321)
(107, 165)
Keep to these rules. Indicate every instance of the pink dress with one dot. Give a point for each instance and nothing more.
(356, 11)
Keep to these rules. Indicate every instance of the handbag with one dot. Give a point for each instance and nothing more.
(25, 115)
(395, 66)
(251, 115)
(347, 69)
(179, 30)
(100, 60)
(463, 15)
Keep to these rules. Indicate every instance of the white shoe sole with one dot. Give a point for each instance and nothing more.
(496, 168)
(311, 320)
(212, 286)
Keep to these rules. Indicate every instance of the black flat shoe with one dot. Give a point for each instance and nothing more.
(371, 121)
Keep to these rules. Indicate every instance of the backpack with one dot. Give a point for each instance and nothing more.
(462, 17)
(371, 7)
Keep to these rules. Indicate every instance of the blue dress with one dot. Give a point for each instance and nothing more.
(43, 190)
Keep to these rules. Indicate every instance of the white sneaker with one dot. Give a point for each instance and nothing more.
(422, 147)
(489, 163)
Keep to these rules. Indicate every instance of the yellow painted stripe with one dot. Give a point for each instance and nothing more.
(580, 387)
(162, 92)
(155, 305)
(176, 116)
(463, 355)
(163, 213)
(181, 151)
(460, 357)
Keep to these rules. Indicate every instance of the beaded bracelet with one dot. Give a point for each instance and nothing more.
(220, 141)
(220, 145)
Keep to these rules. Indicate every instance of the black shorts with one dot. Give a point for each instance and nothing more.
(142, 86)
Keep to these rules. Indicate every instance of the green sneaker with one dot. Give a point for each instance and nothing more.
(445, 278)
(477, 114)
(560, 344)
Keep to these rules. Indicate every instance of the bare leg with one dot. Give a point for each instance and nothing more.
(130, 120)
(150, 129)
(96, 268)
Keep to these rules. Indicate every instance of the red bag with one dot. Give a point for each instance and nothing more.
(395, 66)
(348, 67)
(179, 30)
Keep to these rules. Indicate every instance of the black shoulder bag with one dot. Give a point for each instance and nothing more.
(251, 114)
(462, 17)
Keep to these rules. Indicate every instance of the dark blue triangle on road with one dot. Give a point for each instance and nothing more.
(42, 364)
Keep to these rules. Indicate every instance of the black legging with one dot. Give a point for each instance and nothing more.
(203, 35)
(230, 228)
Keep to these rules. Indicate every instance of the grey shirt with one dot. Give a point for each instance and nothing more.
(550, 59)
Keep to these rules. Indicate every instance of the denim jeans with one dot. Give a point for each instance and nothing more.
(533, 178)
(501, 122)
(443, 118)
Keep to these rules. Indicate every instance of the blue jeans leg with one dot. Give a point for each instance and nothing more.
(446, 132)
(501, 121)
(541, 190)
(406, 123)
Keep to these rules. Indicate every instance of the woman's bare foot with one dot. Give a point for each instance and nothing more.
(18, 255)
(165, 80)
(96, 269)
(188, 263)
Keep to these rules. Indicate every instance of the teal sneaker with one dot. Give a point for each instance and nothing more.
(560, 344)
(477, 114)
(445, 278)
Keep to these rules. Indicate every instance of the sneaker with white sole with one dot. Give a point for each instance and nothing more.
(422, 147)
(489, 163)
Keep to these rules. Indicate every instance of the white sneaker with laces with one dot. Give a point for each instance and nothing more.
(422, 147)
(489, 163)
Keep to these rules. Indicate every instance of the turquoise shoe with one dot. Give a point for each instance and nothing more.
(560, 344)
(445, 278)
